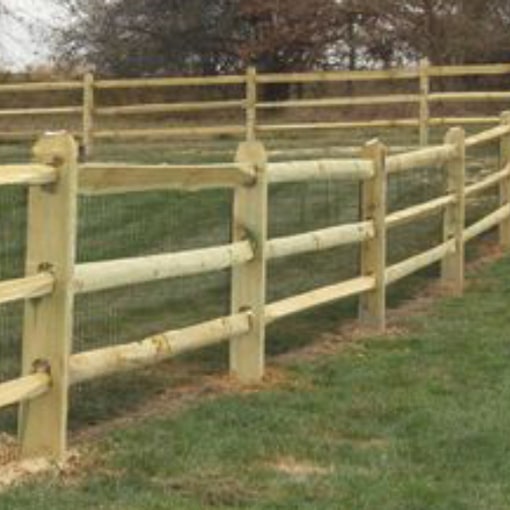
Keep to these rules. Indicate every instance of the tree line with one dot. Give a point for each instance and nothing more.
(150, 37)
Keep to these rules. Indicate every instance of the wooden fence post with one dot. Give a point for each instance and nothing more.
(251, 104)
(88, 115)
(504, 189)
(47, 334)
(373, 198)
(452, 270)
(249, 280)
(424, 102)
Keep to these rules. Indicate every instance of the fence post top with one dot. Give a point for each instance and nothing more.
(455, 134)
(505, 117)
(372, 148)
(252, 152)
(53, 148)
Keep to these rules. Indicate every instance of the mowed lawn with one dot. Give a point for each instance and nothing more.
(419, 420)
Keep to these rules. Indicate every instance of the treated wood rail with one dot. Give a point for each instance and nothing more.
(93, 111)
(320, 240)
(30, 287)
(110, 360)
(97, 178)
(31, 175)
(325, 170)
(97, 276)
(53, 278)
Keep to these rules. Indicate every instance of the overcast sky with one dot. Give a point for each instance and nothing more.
(22, 38)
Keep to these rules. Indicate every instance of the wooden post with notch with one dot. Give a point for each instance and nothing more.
(452, 268)
(249, 280)
(372, 311)
(88, 116)
(504, 188)
(47, 334)
(251, 104)
(424, 102)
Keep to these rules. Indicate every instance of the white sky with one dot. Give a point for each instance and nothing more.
(22, 40)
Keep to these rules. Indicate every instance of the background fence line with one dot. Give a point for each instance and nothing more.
(53, 278)
(252, 103)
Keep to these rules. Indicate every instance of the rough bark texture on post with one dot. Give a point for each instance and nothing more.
(504, 189)
(452, 270)
(373, 252)
(47, 334)
(88, 115)
(251, 104)
(249, 280)
(424, 102)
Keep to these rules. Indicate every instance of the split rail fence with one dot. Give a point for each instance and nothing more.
(53, 278)
(91, 110)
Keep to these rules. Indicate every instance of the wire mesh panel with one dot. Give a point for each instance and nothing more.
(304, 207)
(406, 189)
(140, 224)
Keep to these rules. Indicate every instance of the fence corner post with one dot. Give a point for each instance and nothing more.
(250, 212)
(48, 321)
(372, 308)
(88, 115)
(504, 188)
(452, 267)
(424, 101)
(251, 103)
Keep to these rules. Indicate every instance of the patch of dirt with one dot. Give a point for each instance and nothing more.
(17, 472)
(300, 470)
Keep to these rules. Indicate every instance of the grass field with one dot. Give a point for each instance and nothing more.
(412, 421)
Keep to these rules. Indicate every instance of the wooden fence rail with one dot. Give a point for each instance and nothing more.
(92, 108)
(53, 278)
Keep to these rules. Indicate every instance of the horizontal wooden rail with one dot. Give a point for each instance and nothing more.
(310, 126)
(29, 174)
(411, 265)
(97, 178)
(488, 182)
(430, 156)
(198, 81)
(469, 70)
(342, 101)
(29, 287)
(110, 360)
(331, 151)
(97, 276)
(459, 121)
(168, 107)
(487, 223)
(415, 212)
(168, 132)
(307, 301)
(490, 135)
(321, 169)
(61, 110)
(320, 240)
(468, 96)
(24, 388)
(18, 136)
(338, 76)
(41, 86)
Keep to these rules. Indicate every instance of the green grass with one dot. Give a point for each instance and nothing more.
(409, 423)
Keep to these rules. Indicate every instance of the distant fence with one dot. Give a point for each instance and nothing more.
(251, 104)
(53, 278)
